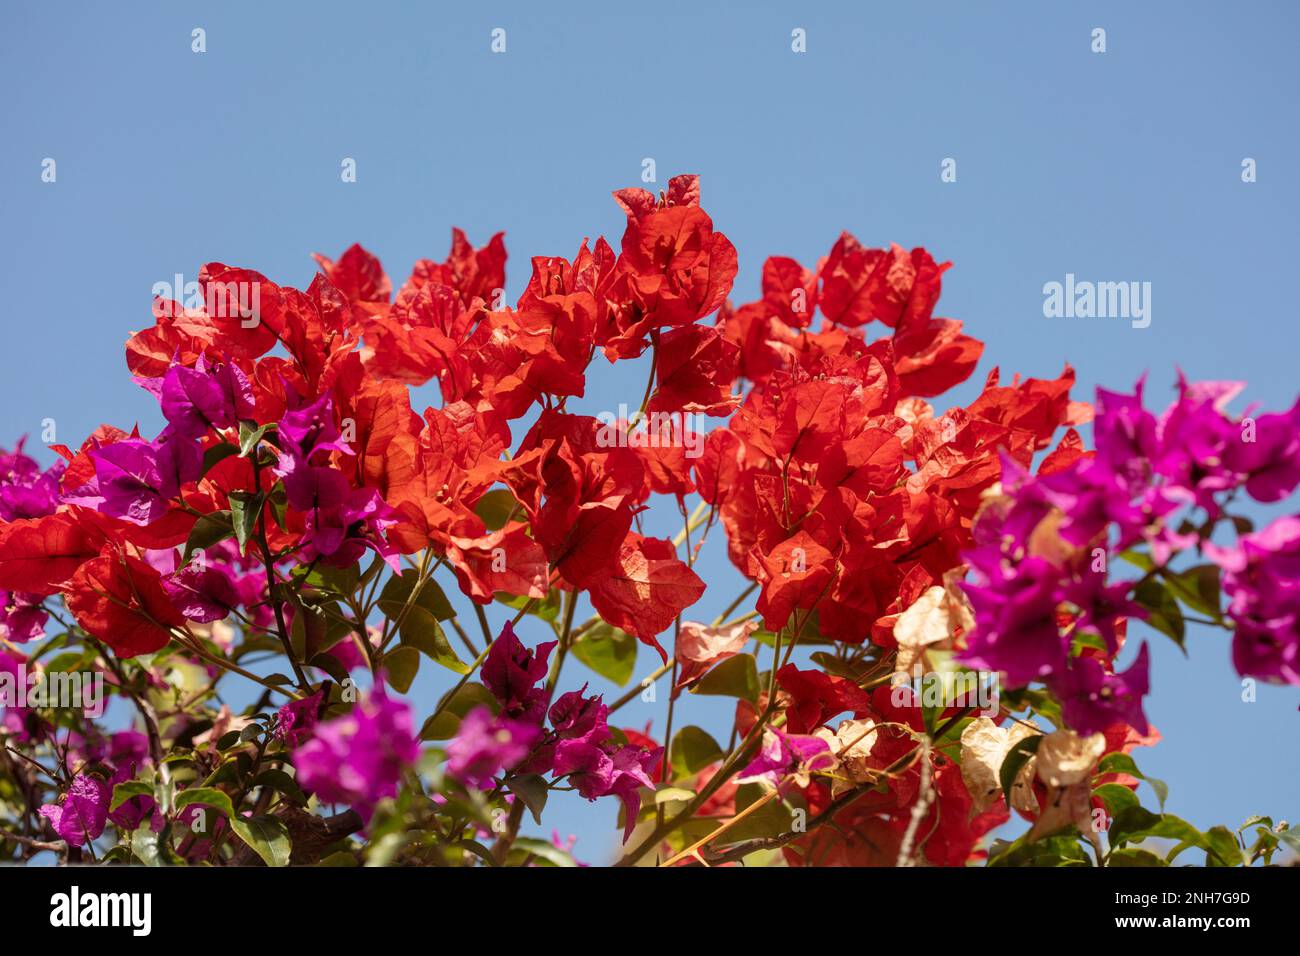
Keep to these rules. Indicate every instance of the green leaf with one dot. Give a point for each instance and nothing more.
(1256, 820)
(207, 531)
(1198, 588)
(152, 849)
(853, 670)
(307, 631)
(608, 651)
(1116, 797)
(692, 750)
(770, 820)
(542, 850)
(211, 796)
(422, 632)
(1161, 789)
(1087, 639)
(250, 433)
(666, 795)
(1123, 763)
(1139, 559)
(129, 790)
(473, 846)
(548, 609)
(402, 664)
(1242, 525)
(326, 577)
(735, 677)
(336, 632)
(393, 598)
(531, 789)
(268, 837)
(1137, 823)
(68, 661)
(330, 665)
(377, 565)
(53, 644)
(1036, 699)
(495, 508)
(1132, 856)
(1163, 611)
(216, 454)
(278, 780)
(339, 858)
(278, 502)
(1051, 851)
(1016, 758)
(1224, 846)
(383, 850)
(1289, 836)
(463, 699)
(811, 635)
(1117, 763)
(118, 854)
(244, 509)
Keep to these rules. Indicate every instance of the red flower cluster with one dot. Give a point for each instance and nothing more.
(811, 475)
(291, 450)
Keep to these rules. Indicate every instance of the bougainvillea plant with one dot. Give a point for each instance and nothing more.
(926, 647)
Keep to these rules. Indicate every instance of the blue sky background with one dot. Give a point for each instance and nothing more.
(1116, 166)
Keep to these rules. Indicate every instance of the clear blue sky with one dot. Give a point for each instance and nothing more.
(1116, 166)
